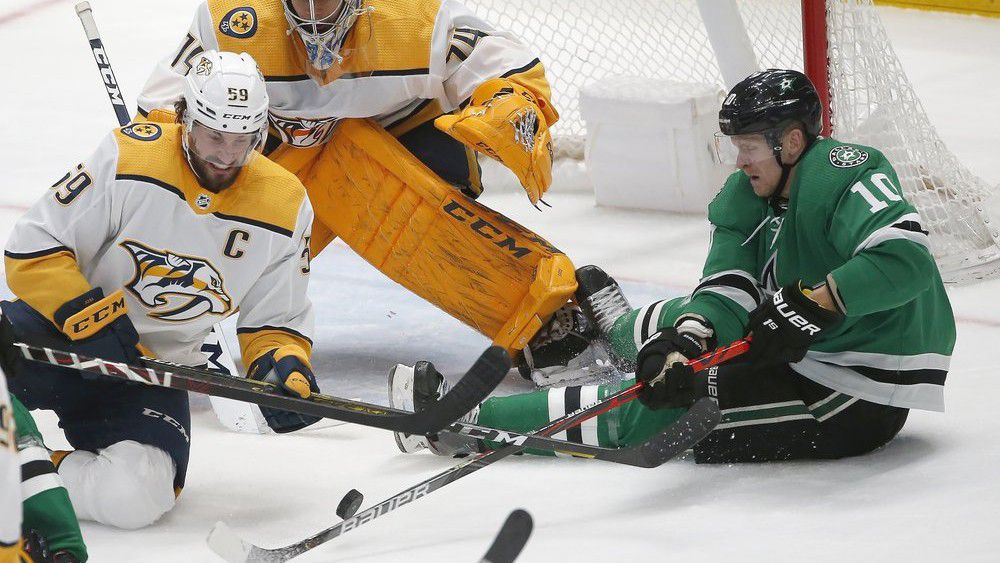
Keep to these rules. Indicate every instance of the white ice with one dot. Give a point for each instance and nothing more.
(931, 495)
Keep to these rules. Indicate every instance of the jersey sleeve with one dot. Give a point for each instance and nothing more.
(10, 479)
(165, 85)
(46, 505)
(276, 311)
(468, 51)
(74, 218)
(886, 245)
(728, 290)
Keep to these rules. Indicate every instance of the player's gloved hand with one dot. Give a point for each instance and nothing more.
(670, 383)
(99, 326)
(34, 549)
(784, 327)
(288, 368)
(509, 123)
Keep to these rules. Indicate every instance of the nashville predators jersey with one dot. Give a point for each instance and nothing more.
(134, 216)
(406, 62)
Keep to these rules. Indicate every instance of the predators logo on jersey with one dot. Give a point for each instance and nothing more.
(143, 131)
(303, 133)
(239, 22)
(176, 287)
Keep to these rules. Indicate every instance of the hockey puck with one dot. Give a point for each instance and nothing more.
(350, 504)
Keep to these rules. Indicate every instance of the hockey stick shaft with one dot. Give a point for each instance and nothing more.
(479, 382)
(226, 544)
(86, 15)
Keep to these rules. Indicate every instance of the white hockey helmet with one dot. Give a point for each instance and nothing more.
(225, 116)
(226, 92)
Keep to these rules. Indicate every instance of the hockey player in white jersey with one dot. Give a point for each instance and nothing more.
(140, 249)
(436, 85)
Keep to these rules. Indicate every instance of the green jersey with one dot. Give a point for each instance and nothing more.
(47, 508)
(846, 223)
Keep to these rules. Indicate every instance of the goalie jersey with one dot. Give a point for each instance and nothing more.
(410, 61)
(134, 216)
(847, 224)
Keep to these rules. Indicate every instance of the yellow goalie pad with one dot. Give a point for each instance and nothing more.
(474, 263)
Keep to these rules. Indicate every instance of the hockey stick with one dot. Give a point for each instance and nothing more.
(511, 539)
(688, 430)
(86, 15)
(488, 371)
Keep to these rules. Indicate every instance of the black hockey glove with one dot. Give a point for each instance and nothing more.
(34, 549)
(99, 327)
(784, 327)
(286, 368)
(670, 383)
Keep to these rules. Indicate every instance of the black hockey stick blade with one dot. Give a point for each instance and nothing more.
(688, 430)
(474, 387)
(511, 539)
(488, 371)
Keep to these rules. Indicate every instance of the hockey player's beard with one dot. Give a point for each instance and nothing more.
(211, 176)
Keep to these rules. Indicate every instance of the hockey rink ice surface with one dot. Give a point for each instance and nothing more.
(930, 495)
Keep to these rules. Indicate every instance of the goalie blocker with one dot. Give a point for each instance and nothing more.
(474, 263)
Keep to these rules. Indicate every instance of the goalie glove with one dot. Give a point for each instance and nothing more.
(507, 122)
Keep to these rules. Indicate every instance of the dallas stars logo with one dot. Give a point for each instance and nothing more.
(786, 84)
(846, 156)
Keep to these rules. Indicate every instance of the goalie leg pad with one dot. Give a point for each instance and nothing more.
(474, 263)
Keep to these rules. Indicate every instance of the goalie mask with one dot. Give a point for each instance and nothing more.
(321, 29)
(225, 116)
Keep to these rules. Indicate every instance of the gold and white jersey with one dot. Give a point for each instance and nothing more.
(134, 216)
(412, 60)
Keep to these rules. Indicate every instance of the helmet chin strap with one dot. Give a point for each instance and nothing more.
(786, 169)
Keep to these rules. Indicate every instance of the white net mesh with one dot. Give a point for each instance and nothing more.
(873, 103)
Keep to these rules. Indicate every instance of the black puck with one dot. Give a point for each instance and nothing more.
(350, 504)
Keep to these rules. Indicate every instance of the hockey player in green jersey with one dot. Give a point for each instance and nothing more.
(817, 255)
(51, 531)
(37, 521)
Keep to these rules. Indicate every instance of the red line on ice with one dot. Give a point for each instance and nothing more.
(27, 10)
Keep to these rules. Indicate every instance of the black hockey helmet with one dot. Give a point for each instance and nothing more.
(770, 100)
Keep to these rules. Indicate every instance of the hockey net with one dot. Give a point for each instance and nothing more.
(871, 100)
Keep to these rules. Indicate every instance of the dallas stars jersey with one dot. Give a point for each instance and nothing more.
(422, 58)
(134, 216)
(10, 480)
(848, 224)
